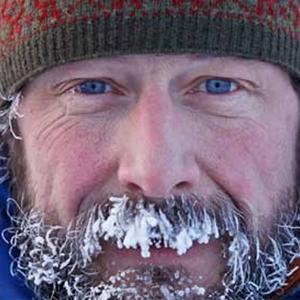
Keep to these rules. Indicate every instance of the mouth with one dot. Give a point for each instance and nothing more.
(166, 256)
(197, 261)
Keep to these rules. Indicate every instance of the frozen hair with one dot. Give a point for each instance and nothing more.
(53, 259)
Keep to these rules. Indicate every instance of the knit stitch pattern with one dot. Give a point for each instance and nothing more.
(36, 35)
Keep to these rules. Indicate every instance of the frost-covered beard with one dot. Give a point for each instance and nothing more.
(58, 262)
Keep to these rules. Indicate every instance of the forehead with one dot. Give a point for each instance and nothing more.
(143, 64)
(159, 60)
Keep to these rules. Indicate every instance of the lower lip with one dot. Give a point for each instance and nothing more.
(197, 260)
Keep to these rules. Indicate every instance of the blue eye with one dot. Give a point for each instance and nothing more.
(94, 88)
(218, 86)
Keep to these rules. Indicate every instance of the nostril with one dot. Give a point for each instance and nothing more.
(183, 186)
(132, 187)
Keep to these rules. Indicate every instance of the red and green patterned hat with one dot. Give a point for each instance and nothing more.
(36, 35)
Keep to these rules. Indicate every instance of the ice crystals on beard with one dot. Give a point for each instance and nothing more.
(183, 242)
(90, 242)
(250, 279)
(113, 226)
(39, 256)
(239, 250)
(140, 225)
(139, 231)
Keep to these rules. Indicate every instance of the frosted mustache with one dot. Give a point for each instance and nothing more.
(176, 224)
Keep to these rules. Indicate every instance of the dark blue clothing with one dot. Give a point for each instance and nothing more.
(11, 288)
(293, 295)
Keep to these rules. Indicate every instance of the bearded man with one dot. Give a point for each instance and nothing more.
(152, 147)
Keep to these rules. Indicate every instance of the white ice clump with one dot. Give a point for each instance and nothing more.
(183, 242)
(148, 227)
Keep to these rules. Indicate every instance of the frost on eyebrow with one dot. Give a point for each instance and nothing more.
(59, 260)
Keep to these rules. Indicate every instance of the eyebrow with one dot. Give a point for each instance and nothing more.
(191, 56)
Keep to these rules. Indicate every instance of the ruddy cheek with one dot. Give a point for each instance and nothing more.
(237, 167)
(81, 175)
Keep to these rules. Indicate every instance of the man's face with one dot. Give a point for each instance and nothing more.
(158, 126)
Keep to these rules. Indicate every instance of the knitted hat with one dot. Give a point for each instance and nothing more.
(36, 35)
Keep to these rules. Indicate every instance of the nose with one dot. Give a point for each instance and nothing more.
(157, 158)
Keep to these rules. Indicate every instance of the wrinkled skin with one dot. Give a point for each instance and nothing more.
(156, 131)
